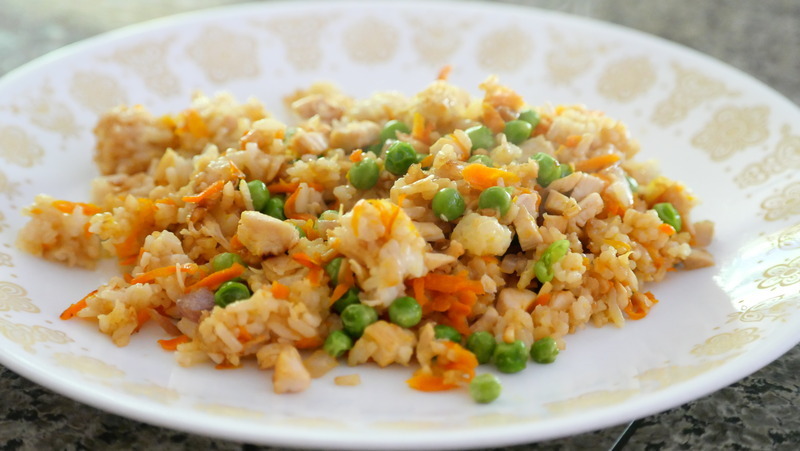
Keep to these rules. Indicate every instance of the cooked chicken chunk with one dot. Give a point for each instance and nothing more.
(290, 375)
(265, 235)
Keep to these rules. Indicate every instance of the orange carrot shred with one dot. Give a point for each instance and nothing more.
(597, 163)
(419, 130)
(444, 73)
(142, 316)
(305, 260)
(339, 291)
(429, 383)
(666, 229)
(211, 190)
(289, 208)
(542, 299)
(171, 344)
(279, 290)
(427, 161)
(573, 140)
(226, 366)
(289, 187)
(164, 271)
(357, 156)
(244, 334)
(65, 206)
(482, 177)
(492, 119)
(235, 171)
(215, 279)
(308, 342)
(73, 309)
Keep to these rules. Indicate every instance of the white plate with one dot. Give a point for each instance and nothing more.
(728, 137)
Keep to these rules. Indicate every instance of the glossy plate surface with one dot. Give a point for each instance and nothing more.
(729, 138)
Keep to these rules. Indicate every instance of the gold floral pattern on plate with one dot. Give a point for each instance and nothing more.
(301, 37)
(27, 336)
(151, 391)
(435, 40)
(7, 187)
(504, 50)
(44, 111)
(782, 204)
(692, 89)
(96, 91)
(781, 275)
(785, 157)
(6, 260)
(674, 374)
(88, 366)
(733, 129)
(726, 342)
(627, 79)
(3, 223)
(568, 58)
(224, 55)
(789, 239)
(774, 310)
(17, 147)
(591, 400)
(229, 411)
(13, 297)
(148, 60)
(371, 40)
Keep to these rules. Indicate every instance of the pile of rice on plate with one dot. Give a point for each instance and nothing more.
(174, 194)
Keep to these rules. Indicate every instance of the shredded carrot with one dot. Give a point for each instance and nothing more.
(339, 291)
(215, 279)
(429, 382)
(235, 243)
(454, 295)
(419, 130)
(73, 309)
(195, 124)
(357, 156)
(171, 344)
(573, 140)
(235, 171)
(142, 316)
(35, 211)
(279, 290)
(164, 271)
(86, 232)
(483, 177)
(419, 291)
(65, 206)
(127, 277)
(597, 163)
(290, 206)
(211, 190)
(457, 361)
(492, 119)
(637, 310)
(244, 334)
(165, 200)
(290, 187)
(308, 342)
(542, 299)
(446, 283)
(666, 229)
(427, 161)
(305, 260)
(315, 276)
(444, 73)
(226, 366)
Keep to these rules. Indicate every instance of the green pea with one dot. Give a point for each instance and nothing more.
(300, 231)
(444, 332)
(511, 357)
(482, 344)
(391, 128)
(554, 252)
(530, 116)
(517, 131)
(258, 194)
(399, 157)
(549, 169)
(337, 343)
(225, 260)
(544, 350)
(364, 174)
(448, 204)
(377, 149)
(485, 388)
(566, 169)
(669, 215)
(332, 269)
(329, 215)
(274, 208)
(485, 160)
(495, 197)
(405, 312)
(347, 299)
(481, 137)
(230, 292)
(356, 318)
(632, 183)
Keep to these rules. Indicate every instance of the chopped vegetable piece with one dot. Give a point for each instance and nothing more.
(549, 169)
(518, 131)
(230, 292)
(399, 157)
(669, 215)
(482, 344)
(544, 350)
(337, 343)
(496, 198)
(444, 332)
(259, 194)
(485, 160)
(405, 311)
(448, 204)
(225, 260)
(485, 388)
(364, 174)
(356, 318)
(481, 137)
(391, 128)
(555, 252)
(511, 357)
(348, 299)
(332, 269)
(482, 177)
(530, 116)
(274, 208)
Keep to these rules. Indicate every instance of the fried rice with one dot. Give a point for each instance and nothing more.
(173, 194)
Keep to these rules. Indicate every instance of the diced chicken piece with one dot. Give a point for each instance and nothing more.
(530, 202)
(586, 185)
(429, 231)
(482, 235)
(263, 133)
(435, 260)
(699, 258)
(128, 139)
(265, 235)
(591, 206)
(527, 230)
(513, 298)
(703, 232)
(354, 135)
(385, 343)
(560, 204)
(322, 99)
(566, 184)
(320, 363)
(313, 143)
(290, 375)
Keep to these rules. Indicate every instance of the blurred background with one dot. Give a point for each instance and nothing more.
(759, 38)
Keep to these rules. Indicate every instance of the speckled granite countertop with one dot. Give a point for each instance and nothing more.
(759, 412)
